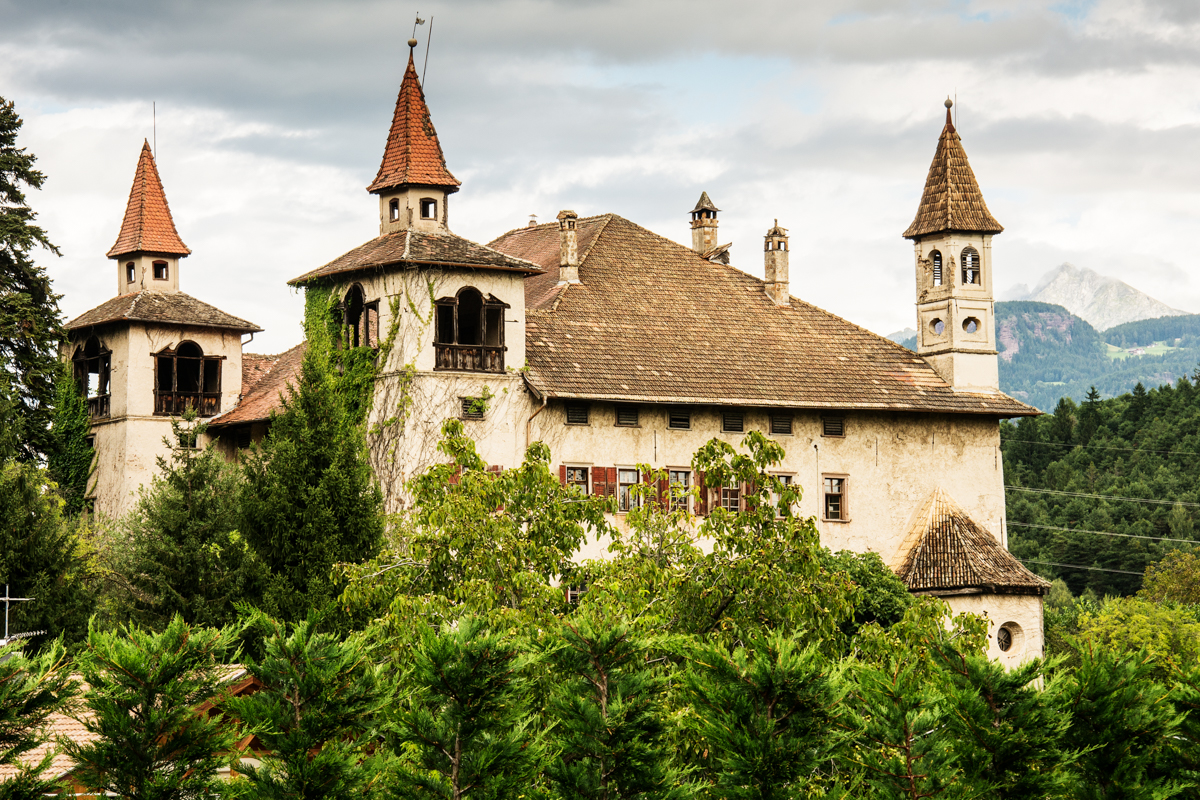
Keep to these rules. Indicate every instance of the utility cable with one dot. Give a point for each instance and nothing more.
(1101, 533)
(1080, 566)
(1102, 447)
(1102, 496)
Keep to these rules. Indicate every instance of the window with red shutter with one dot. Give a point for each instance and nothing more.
(701, 495)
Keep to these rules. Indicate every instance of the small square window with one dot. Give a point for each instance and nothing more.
(577, 413)
(627, 416)
(428, 208)
(781, 424)
(91, 442)
(473, 407)
(626, 480)
(160, 271)
(680, 481)
(575, 593)
(578, 476)
(732, 421)
(731, 498)
(834, 506)
(833, 426)
(680, 420)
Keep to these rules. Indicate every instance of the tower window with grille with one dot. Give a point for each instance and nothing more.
(970, 266)
(627, 416)
(936, 258)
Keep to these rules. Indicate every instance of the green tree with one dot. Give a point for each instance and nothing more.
(141, 705)
(882, 597)
(1175, 579)
(31, 689)
(1127, 625)
(768, 712)
(186, 556)
(30, 321)
(317, 713)
(466, 722)
(1089, 416)
(71, 459)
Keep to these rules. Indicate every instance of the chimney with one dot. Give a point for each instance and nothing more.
(568, 247)
(775, 258)
(704, 225)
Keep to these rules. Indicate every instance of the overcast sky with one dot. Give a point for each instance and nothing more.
(1081, 119)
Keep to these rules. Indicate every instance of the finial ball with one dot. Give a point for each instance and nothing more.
(949, 102)
(412, 42)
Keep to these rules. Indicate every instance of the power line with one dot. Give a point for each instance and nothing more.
(1080, 566)
(1102, 447)
(1101, 533)
(1102, 496)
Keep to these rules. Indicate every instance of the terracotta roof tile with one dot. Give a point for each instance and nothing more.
(945, 550)
(952, 200)
(418, 247)
(652, 321)
(268, 379)
(413, 154)
(147, 227)
(175, 308)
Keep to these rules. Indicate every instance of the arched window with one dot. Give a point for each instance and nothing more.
(186, 378)
(359, 319)
(936, 258)
(970, 266)
(470, 332)
(93, 365)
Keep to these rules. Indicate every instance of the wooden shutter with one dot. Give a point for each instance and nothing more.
(612, 482)
(457, 476)
(664, 493)
(562, 474)
(599, 482)
(701, 495)
(495, 468)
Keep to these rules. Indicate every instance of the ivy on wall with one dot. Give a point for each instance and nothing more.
(71, 460)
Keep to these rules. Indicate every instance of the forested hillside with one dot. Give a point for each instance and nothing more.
(1068, 472)
(1184, 331)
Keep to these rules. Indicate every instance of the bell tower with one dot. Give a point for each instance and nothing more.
(952, 240)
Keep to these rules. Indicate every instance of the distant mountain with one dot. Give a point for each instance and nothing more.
(900, 337)
(1098, 299)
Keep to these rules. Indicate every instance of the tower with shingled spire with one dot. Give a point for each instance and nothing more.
(952, 238)
(413, 183)
(148, 248)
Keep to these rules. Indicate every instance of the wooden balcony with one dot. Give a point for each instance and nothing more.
(98, 406)
(469, 357)
(173, 404)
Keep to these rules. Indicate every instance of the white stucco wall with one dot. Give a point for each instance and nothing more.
(1022, 614)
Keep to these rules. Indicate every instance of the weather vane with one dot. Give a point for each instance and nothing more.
(415, 24)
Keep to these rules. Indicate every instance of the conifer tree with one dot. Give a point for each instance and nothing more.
(1089, 416)
(30, 321)
(466, 720)
(143, 692)
(317, 714)
(31, 689)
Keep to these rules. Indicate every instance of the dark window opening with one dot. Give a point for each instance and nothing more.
(92, 367)
(833, 426)
(91, 441)
(835, 498)
(445, 323)
(372, 323)
(732, 421)
(160, 271)
(680, 420)
(577, 413)
(680, 482)
(575, 593)
(394, 210)
(470, 325)
(970, 266)
(936, 258)
(359, 319)
(428, 208)
(130, 272)
(473, 407)
(470, 332)
(244, 438)
(1004, 639)
(627, 416)
(781, 424)
(186, 378)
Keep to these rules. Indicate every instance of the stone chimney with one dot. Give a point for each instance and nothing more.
(704, 225)
(568, 247)
(775, 258)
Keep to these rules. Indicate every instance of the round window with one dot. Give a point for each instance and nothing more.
(1008, 637)
(937, 326)
(970, 325)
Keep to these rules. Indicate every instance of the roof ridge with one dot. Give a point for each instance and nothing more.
(607, 219)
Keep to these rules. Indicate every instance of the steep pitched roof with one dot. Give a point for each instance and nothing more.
(442, 249)
(945, 550)
(652, 321)
(147, 227)
(265, 380)
(952, 200)
(413, 154)
(175, 308)
(704, 204)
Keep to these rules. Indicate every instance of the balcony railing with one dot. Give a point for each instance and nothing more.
(98, 407)
(469, 357)
(172, 404)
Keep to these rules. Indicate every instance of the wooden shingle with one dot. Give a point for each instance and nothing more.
(952, 200)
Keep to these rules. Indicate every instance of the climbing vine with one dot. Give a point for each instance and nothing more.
(71, 460)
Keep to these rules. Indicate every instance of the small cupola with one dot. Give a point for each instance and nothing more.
(704, 225)
(775, 264)
(568, 247)
(148, 248)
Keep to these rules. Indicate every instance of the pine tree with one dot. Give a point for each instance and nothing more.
(1089, 416)
(141, 704)
(31, 689)
(466, 719)
(71, 459)
(30, 321)
(186, 555)
(317, 714)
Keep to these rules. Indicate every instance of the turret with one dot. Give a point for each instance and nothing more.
(775, 264)
(704, 225)
(148, 248)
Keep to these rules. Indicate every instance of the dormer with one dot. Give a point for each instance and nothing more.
(148, 248)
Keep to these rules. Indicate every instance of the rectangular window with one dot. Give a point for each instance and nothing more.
(160, 270)
(130, 273)
(680, 420)
(91, 442)
(680, 482)
(786, 480)
(244, 437)
(732, 421)
(577, 413)
(578, 476)
(781, 424)
(834, 507)
(371, 314)
(626, 480)
(731, 498)
(445, 324)
(493, 325)
(212, 376)
(627, 416)
(575, 593)
(833, 426)
(473, 407)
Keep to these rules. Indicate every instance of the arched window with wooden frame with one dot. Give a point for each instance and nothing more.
(469, 332)
(93, 372)
(935, 258)
(186, 378)
(971, 271)
(359, 319)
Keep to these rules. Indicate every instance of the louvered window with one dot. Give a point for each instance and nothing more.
(970, 266)
(627, 416)
(781, 424)
(577, 413)
(732, 422)
(936, 258)
(473, 407)
(680, 420)
(833, 426)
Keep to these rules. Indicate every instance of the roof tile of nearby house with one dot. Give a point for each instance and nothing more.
(265, 382)
(945, 550)
(652, 321)
(418, 247)
(952, 200)
(413, 154)
(175, 308)
(147, 226)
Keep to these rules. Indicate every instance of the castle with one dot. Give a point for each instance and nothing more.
(616, 347)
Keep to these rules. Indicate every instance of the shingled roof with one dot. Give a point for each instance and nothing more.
(174, 308)
(652, 321)
(265, 381)
(945, 550)
(413, 154)
(952, 200)
(442, 249)
(147, 227)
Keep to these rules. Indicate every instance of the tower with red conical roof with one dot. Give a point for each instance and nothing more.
(952, 236)
(148, 248)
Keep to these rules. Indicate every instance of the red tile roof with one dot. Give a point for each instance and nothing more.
(265, 381)
(147, 227)
(175, 308)
(952, 200)
(413, 154)
(652, 321)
